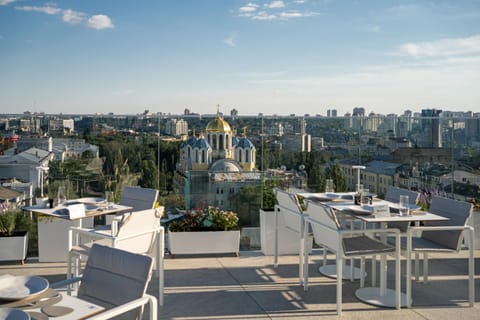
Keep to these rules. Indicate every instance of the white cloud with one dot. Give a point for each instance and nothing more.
(249, 7)
(73, 17)
(442, 47)
(230, 40)
(251, 11)
(70, 16)
(275, 5)
(5, 2)
(296, 14)
(99, 22)
(263, 15)
(299, 1)
(45, 9)
(375, 29)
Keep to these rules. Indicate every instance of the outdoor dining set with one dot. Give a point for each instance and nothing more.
(122, 257)
(109, 267)
(354, 228)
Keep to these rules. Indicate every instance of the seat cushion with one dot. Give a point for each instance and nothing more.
(364, 246)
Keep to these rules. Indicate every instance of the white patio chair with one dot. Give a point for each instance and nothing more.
(116, 280)
(288, 208)
(136, 197)
(327, 232)
(137, 232)
(442, 236)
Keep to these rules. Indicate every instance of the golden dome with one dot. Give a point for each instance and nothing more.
(218, 125)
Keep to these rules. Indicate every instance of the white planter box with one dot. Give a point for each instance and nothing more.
(204, 242)
(14, 247)
(288, 240)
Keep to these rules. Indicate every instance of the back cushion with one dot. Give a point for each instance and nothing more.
(458, 213)
(113, 277)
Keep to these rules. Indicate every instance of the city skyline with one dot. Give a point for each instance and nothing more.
(271, 57)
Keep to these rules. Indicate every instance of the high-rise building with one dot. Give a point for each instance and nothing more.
(431, 128)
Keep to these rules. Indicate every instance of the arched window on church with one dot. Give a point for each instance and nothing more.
(247, 154)
(214, 141)
(203, 156)
(196, 156)
(220, 142)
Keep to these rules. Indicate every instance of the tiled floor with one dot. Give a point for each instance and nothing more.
(248, 287)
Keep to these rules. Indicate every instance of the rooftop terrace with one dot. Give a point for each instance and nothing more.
(249, 287)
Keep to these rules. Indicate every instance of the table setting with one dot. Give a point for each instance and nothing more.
(32, 298)
(29, 297)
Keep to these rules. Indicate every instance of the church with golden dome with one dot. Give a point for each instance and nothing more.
(216, 164)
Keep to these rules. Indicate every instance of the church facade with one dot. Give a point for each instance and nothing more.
(215, 165)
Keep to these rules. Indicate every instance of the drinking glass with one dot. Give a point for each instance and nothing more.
(109, 199)
(364, 197)
(61, 195)
(404, 204)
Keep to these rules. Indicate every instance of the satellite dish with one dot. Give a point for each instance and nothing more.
(301, 167)
(283, 167)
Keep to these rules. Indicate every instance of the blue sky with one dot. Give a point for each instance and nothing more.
(274, 57)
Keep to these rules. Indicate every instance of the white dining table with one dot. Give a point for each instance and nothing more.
(53, 225)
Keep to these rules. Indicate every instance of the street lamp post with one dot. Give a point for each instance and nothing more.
(358, 167)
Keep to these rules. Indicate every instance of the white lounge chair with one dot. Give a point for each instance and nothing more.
(288, 208)
(117, 280)
(137, 232)
(442, 236)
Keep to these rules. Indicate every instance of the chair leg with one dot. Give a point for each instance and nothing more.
(397, 275)
(324, 256)
(305, 261)
(374, 270)
(408, 288)
(417, 266)
(339, 284)
(362, 272)
(69, 272)
(153, 308)
(301, 259)
(425, 267)
(471, 271)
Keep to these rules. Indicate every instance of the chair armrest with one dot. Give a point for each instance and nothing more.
(135, 235)
(116, 311)
(89, 232)
(63, 283)
(440, 228)
(370, 231)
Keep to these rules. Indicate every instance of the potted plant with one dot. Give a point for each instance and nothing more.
(14, 227)
(210, 230)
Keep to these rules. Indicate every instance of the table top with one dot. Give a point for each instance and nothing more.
(97, 208)
(81, 309)
(340, 201)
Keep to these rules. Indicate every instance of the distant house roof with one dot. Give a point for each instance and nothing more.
(30, 156)
(382, 167)
(9, 194)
